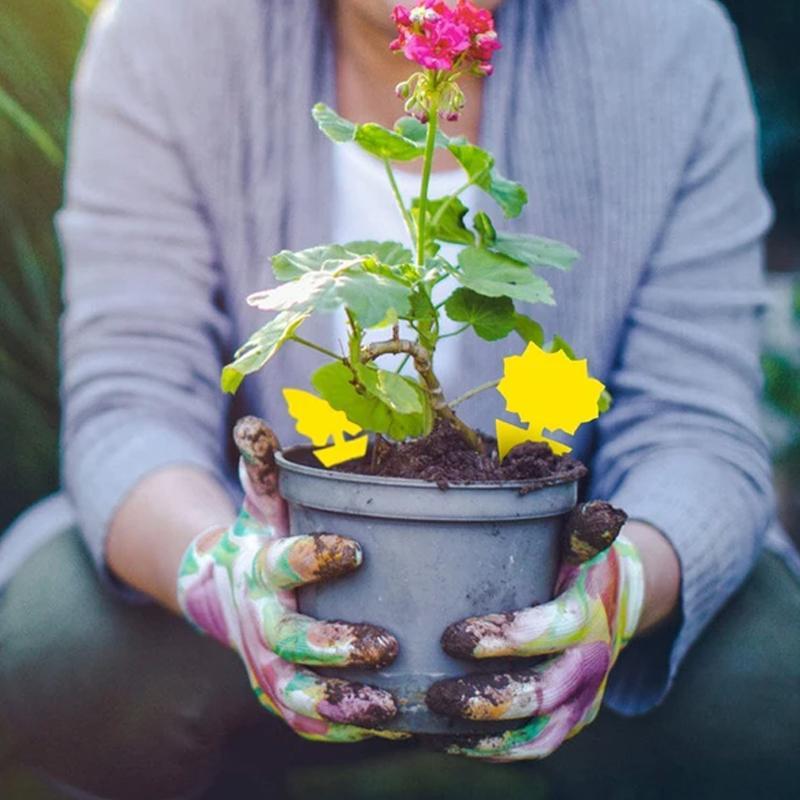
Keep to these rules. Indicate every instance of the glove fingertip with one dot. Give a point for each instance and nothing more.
(257, 445)
(256, 441)
(356, 704)
(373, 647)
(459, 640)
(464, 639)
(447, 697)
(335, 555)
(590, 529)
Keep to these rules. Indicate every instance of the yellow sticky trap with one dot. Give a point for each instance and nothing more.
(343, 450)
(550, 392)
(316, 419)
(509, 436)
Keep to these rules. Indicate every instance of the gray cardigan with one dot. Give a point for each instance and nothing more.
(193, 158)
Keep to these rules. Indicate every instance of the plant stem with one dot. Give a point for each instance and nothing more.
(314, 346)
(402, 363)
(472, 392)
(354, 340)
(407, 218)
(422, 363)
(35, 132)
(454, 333)
(430, 148)
(450, 198)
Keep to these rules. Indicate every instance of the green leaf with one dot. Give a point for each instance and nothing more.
(528, 329)
(391, 253)
(373, 138)
(288, 265)
(396, 391)
(260, 348)
(31, 128)
(484, 228)
(492, 318)
(414, 130)
(605, 401)
(479, 166)
(509, 195)
(85, 6)
(474, 160)
(421, 306)
(535, 250)
(312, 291)
(495, 275)
(558, 343)
(423, 315)
(383, 143)
(450, 227)
(375, 299)
(336, 128)
(334, 382)
(436, 266)
(411, 128)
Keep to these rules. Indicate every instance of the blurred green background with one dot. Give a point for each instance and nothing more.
(39, 40)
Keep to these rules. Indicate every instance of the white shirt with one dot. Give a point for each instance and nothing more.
(365, 208)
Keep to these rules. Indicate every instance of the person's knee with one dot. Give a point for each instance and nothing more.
(123, 702)
(738, 694)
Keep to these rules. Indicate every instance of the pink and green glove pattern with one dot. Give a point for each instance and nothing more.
(236, 585)
(600, 593)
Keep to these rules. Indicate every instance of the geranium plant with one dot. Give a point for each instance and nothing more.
(382, 284)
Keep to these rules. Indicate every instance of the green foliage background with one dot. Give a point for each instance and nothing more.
(39, 40)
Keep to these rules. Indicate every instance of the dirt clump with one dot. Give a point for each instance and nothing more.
(444, 458)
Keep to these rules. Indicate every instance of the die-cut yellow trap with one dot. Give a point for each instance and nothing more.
(549, 391)
(316, 419)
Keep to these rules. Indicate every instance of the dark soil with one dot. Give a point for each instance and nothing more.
(444, 458)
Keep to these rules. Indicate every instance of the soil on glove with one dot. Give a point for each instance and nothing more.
(444, 458)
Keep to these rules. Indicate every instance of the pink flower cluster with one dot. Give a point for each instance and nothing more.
(438, 37)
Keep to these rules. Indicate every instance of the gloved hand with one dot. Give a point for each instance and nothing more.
(236, 585)
(599, 597)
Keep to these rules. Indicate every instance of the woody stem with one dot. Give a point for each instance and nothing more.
(422, 363)
(472, 392)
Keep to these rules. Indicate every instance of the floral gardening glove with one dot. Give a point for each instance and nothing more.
(600, 592)
(236, 585)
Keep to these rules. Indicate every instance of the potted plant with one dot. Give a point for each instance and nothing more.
(453, 523)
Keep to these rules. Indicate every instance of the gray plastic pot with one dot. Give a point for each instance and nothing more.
(431, 557)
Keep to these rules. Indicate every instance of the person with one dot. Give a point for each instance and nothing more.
(194, 158)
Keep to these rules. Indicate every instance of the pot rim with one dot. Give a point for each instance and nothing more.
(285, 462)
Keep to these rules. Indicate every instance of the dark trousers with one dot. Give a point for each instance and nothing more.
(129, 702)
